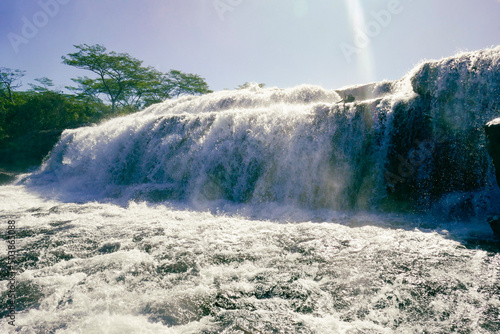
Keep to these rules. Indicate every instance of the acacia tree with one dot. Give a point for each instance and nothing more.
(123, 80)
(172, 84)
(249, 84)
(185, 84)
(45, 85)
(115, 71)
(147, 88)
(9, 80)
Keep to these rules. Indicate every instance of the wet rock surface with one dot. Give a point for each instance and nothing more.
(492, 130)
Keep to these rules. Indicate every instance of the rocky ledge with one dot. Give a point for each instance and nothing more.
(493, 144)
(6, 177)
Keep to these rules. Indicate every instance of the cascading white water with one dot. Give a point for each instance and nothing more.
(291, 146)
(302, 146)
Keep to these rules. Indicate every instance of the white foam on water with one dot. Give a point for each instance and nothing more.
(149, 268)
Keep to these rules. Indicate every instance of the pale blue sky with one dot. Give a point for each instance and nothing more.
(279, 42)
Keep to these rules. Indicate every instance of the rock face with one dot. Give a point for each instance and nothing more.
(6, 178)
(493, 144)
(494, 222)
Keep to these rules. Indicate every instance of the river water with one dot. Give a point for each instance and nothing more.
(143, 268)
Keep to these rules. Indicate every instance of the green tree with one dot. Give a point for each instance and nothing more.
(249, 84)
(45, 84)
(3, 121)
(162, 86)
(48, 110)
(117, 73)
(9, 81)
(181, 83)
(32, 121)
(148, 87)
(124, 82)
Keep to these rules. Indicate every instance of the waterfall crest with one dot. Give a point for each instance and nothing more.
(416, 143)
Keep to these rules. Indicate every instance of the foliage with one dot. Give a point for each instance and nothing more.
(249, 84)
(124, 82)
(46, 85)
(9, 81)
(30, 127)
(185, 84)
(117, 73)
(31, 121)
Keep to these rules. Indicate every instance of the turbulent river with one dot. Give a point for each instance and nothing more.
(299, 210)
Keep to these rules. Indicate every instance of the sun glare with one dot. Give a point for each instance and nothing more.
(365, 59)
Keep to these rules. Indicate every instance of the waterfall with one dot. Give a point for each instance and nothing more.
(412, 144)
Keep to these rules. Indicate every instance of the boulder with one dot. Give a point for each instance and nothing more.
(493, 145)
(494, 222)
(6, 178)
(424, 82)
(492, 130)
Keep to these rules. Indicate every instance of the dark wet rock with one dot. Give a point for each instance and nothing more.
(365, 92)
(61, 254)
(28, 295)
(174, 268)
(494, 222)
(109, 247)
(492, 130)
(6, 178)
(424, 82)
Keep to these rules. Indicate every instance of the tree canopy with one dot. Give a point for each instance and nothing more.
(9, 81)
(125, 82)
(44, 85)
(250, 84)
